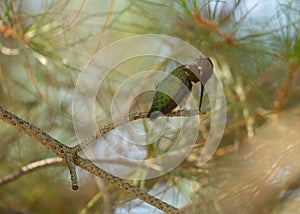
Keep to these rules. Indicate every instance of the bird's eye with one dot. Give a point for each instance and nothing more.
(200, 68)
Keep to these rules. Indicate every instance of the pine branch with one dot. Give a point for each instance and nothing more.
(69, 155)
(131, 117)
(120, 183)
(39, 136)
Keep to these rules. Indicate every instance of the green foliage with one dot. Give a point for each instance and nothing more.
(43, 53)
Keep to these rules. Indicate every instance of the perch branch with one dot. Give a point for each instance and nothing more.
(69, 155)
(131, 117)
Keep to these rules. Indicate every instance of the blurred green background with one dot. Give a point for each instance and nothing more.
(255, 46)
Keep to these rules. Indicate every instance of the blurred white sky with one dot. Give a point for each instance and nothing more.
(261, 10)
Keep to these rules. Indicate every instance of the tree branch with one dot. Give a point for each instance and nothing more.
(131, 117)
(127, 187)
(38, 135)
(69, 154)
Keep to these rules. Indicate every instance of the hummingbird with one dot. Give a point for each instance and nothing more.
(179, 89)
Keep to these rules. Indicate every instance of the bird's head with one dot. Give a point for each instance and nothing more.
(201, 69)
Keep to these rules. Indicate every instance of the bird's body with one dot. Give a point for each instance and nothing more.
(175, 87)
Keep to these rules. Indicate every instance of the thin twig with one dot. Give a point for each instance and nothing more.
(281, 96)
(106, 23)
(30, 168)
(106, 195)
(212, 27)
(78, 12)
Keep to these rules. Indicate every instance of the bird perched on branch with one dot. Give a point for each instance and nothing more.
(176, 87)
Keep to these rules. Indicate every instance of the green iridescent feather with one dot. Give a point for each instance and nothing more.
(171, 91)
